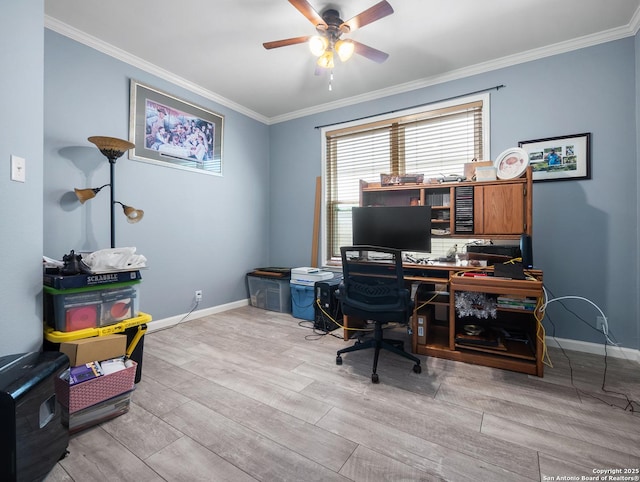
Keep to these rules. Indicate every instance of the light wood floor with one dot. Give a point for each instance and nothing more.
(251, 395)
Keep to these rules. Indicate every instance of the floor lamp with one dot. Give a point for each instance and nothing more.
(113, 149)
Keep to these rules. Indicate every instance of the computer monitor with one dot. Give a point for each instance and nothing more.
(407, 228)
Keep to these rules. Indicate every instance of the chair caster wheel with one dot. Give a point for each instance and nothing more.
(374, 378)
(338, 360)
(417, 369)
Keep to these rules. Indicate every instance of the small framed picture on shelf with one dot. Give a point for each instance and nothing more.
(561, 158)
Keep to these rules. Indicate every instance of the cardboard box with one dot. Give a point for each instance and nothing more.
(95, 348)
(470, 168)
(486, 173)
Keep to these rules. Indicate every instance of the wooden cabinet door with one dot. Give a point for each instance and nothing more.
(499, 209)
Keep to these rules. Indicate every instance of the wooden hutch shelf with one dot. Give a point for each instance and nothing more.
(500, 209)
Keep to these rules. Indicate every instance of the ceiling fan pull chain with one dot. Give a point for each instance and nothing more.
(331, 81)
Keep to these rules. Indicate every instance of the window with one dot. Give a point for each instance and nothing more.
(431, 140)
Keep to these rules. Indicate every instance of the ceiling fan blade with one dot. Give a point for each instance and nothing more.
(378, 11)
(369, 52)
(308, 11)
(283, 43)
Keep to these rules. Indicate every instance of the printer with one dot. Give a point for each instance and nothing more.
(306, 276)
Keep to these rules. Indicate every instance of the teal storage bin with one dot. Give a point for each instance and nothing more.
(303, 302)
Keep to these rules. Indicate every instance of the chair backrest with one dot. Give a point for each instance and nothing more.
(373, 283)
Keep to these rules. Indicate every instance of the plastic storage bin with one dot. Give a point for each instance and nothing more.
(269, 293)
(90, 307)
(98, 413)
(303, 301)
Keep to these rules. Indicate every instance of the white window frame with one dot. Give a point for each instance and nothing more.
(486, 148)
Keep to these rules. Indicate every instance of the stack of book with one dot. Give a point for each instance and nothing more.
(517, 303)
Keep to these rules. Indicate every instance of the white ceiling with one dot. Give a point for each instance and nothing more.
(214, 47)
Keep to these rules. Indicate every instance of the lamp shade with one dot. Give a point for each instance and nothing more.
(345, 49)
(326, 60)
(111, 147)
(318, 44)
(84, 195)
(133, 215)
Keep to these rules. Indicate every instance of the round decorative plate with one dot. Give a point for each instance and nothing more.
(511, 163)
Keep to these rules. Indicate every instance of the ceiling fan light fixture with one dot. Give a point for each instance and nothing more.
(318, 44)
(345, 49)
(326, 60)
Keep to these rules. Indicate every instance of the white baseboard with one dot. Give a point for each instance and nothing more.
(595, 348)
(155, 325)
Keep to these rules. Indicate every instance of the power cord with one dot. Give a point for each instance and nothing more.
(336, 322)
(631, 404)
(317, 334)
(196, 304)
(605, 324)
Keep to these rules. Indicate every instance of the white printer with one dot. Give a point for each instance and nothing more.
(308, 276)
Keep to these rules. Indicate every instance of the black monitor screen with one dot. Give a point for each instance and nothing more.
(407, 228)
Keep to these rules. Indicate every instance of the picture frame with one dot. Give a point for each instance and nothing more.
(171, 132)
(563, 158)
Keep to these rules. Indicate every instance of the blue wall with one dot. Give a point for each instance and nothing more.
(205, 232)
(585, 232)
(199, 231)
(21, 51)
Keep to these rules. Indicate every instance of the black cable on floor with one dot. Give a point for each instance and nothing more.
(631, 404)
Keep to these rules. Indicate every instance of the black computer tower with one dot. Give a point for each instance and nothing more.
(33, 437)
(325, 294)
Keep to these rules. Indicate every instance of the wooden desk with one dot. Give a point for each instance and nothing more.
(445, 339)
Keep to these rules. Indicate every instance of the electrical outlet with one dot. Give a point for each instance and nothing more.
(600, 323)
(198, 295)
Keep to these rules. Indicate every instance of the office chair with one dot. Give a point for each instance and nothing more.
(373, 289)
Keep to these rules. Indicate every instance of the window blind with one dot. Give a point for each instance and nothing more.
(433, 143)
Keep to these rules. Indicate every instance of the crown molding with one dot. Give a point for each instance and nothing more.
(508, 61)
(535, 54)
(108, 49)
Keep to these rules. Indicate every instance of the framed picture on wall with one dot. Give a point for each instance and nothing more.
(174, 133)
(560, 158)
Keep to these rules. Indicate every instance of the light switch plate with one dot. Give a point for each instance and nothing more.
(18, 166)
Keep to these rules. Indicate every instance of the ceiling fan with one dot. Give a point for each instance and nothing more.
(330, 28)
